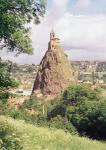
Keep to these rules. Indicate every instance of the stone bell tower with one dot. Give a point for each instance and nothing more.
(52, 35)
(54, 41)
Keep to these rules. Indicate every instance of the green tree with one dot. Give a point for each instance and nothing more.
(62, 123)
(96, 126)
(5, 81)
(76, 93)
(84, 117)
(14, 16)
(86, 110)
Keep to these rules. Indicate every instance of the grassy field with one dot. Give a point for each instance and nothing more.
(39, 138)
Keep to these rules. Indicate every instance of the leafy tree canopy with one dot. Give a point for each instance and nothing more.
(14, 15)
(73, 95)
(5, 81)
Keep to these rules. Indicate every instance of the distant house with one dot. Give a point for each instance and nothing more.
(101, 82)
(20, 91)
(26, 93)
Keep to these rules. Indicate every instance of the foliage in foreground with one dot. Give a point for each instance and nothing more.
(82, 110)
(14, 15)
(5, 81)
(9, 138)
(85, 109)
(31, 137)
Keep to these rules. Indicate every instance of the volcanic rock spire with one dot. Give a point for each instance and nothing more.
(55, 72)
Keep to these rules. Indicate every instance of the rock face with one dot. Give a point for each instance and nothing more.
(55, 72)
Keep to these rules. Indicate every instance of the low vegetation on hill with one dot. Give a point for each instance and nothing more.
(80, 111)
(29, 137)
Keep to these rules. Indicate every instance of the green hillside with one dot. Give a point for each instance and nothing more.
(39, 138)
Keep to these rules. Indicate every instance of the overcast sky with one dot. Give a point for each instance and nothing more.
(81, 26)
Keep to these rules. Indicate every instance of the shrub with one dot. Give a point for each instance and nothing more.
(57, 110)
(62, 123)
(73, 94)
(33, 103)
(84, 109)
(9, 139)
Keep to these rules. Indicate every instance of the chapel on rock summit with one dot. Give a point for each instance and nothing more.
(55, 73)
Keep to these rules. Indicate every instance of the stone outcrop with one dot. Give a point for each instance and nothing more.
(55, 72)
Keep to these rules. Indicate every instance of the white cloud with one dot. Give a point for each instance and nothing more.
(83, 37)
(82, 4)
(87, 32)
(58, 9)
